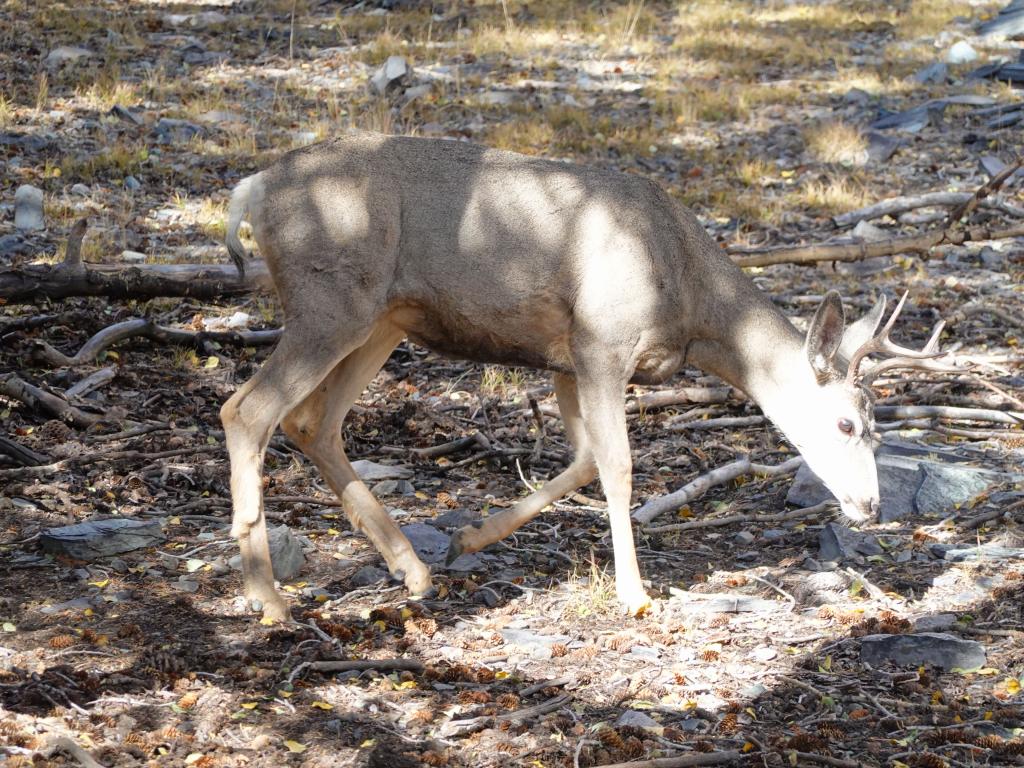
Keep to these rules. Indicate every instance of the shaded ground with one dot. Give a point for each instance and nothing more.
(746, 111)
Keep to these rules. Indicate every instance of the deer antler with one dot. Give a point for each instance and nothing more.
(900, 357)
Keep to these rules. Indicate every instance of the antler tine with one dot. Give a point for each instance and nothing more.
(901, 357)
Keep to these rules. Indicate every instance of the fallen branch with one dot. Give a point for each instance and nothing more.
(724, 421)
(948, 413)
(716, 522)
(66, 744)
(923, 243)
(897, 205)
(19, 453)
(683, 761)
(147, 328)
(91, 382)
(34, 397)
(144, 281)
(981, 193)
(361, 665)
(702, 484)
(678, 397)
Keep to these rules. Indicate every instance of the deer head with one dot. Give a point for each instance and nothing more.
(829, 406)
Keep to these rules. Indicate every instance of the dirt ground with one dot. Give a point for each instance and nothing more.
(758, 116)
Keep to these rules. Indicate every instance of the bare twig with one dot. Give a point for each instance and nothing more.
(716, 522)
(700, 486)
(719, 423)
(989, 188)
(91, 382)
(144, 327)
(948, 413)
(902, 204)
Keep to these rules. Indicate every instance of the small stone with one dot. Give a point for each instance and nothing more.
(991, 258)
(65, 53)
(837, 543)
(430, 544)
(28, 207)
(774, 534)
(961, 52)
(384, 488)
(416, 92)
(940, 622)
(405, 488)
(744, 538)
(746, 557)
(934, 74)
(635, 719)
(132, 184)
(81, 190)
(857, 96)
(171, 131)
(368, 576)
(133, 257)
(285, 553)
(185, 586)
(935, 648)
(13, 245)
(118, 565)
(390, 75)
(866, 232)
(207, 19)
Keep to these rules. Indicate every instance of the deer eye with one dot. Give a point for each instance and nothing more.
(845, 426)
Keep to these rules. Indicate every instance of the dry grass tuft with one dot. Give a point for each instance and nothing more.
(837, 142)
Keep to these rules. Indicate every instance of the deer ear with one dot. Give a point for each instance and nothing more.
(824, 335)
(862, 330)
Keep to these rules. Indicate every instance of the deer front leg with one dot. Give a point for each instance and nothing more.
(603, 407)
(473, 538)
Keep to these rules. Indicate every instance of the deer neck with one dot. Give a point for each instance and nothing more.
(756, 349)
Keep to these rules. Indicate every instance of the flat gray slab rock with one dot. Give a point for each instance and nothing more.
(935, 648)
(984, 553)
(370, 471)
(837, 543)
(909, 485)
(101, 538)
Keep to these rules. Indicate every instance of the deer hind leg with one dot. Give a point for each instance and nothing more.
(603, 407)
(473, 538)
(315, 426)
(250, 417)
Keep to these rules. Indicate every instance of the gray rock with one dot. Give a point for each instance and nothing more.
(132, 184)
(384, 488)
(133, 257)
(185, 585)
(961, 52)
(908, 485)
(65, 53)
(774, 534)
(221, 117)
(857, 96)
(171, 131)
(993, 166)
(940, 622)
(81, 190)
(1007, 24)
(636, 719)
(935, 648)
(866, 232)
(943, 488)
(405, 488)
(78, 604)
(370, 471)
(368, 576)
(101, 538)
(416, 92)
(430, 544)
(498, 97)
(991, 258)
(122, 113)
(837, 542)
(391, 74)
(28, 207)
(207, 19)
(285, 553)
(881, 147)
(744, 538)
(454, 518)
(933, 74)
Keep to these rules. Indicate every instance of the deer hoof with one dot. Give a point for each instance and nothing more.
(635, 604)
(276, 611)
(417, 581)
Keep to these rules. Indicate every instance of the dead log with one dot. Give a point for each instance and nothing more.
(144, 281)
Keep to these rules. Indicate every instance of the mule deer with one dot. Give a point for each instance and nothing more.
(495, 257)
